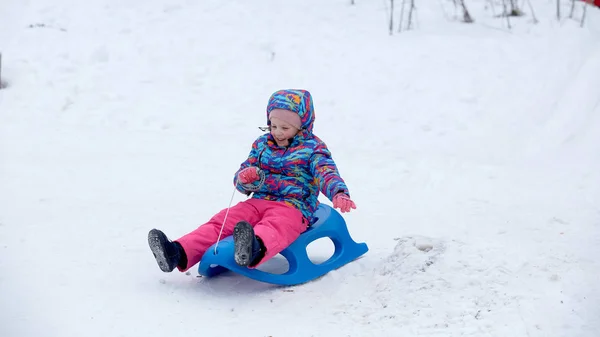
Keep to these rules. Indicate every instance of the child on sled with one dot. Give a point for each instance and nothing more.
(284, 173)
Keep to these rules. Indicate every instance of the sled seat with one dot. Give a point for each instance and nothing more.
(301, 269)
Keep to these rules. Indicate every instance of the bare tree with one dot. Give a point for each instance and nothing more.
(585, 6)
(410, 14)
(558, 10)
(401, 15)
(391, 17)
(535, 20)
(466, 16)
(491, 2)
(513, 8)
(506, 13)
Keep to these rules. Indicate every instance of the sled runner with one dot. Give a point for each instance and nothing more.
(301, 269)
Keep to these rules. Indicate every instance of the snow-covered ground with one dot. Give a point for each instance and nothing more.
(472, 152)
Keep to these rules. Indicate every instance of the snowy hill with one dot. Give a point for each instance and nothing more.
(472, 152)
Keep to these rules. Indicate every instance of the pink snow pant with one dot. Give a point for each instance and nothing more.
(276, 223)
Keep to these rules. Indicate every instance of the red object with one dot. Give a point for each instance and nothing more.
(343, 202)
(248, 175)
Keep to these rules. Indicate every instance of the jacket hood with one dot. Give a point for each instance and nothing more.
(296, 100)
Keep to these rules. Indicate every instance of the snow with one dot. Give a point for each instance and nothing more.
(472, 152)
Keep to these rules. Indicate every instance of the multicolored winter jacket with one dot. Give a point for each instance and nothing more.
(294, 174)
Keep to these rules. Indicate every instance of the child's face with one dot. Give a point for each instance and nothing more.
(282, 131)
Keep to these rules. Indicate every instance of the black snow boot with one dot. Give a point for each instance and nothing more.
(249, 248)
(168, 254)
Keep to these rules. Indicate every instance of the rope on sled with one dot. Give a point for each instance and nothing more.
(248, 187)
(225, 220)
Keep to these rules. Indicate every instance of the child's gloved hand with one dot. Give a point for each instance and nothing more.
(249, 175)
(343, 202)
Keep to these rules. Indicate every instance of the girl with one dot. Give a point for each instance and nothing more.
(284, 173)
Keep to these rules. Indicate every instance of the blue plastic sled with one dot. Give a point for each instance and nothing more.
(301, 269)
